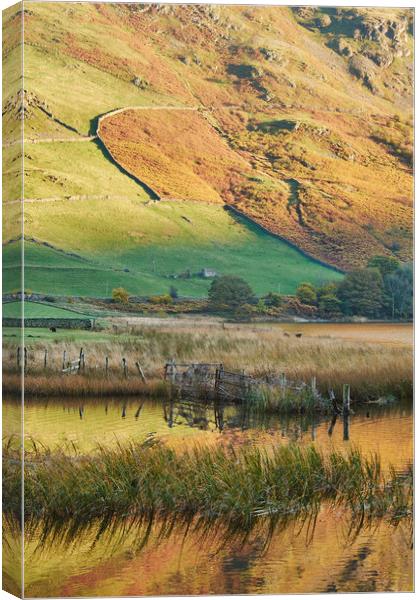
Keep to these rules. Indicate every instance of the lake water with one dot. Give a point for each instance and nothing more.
(325, 554)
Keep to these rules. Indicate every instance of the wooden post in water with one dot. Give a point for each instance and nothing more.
(346, 411)
(64, 360)
(125, 369)
(141, 373)
(45, 358)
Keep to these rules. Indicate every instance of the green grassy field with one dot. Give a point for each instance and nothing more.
(35, 310)
(58, 170)
(155, 242)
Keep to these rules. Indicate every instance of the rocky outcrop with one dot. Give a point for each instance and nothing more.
(370, 40)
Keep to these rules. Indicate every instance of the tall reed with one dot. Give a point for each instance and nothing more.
(239, 485)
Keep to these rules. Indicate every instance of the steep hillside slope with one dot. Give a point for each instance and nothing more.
(301, 119)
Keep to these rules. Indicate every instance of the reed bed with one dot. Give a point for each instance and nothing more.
(371, 369)
(150, 479)
(91, 385)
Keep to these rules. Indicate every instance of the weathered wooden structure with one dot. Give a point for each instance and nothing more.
(212, 380)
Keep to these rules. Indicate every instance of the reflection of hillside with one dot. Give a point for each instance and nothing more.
(294, 557)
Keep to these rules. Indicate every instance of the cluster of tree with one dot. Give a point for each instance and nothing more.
(384, 289)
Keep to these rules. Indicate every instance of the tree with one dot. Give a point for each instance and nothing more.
(361, 293)
(173, 292)
(329, 305)
(261, 307)
(328, 302)
(306, 293)
(385, 264)
(399, 292)
(229, 291)
(274, 299)
(120, 295)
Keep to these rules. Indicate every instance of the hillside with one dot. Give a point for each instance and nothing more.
(301, 119)
(159, 245)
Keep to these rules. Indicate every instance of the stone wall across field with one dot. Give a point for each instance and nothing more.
(58, 323)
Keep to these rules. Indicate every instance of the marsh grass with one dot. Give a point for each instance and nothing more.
(274, 399)
(82, 386)
(372, 370)
(150, 479)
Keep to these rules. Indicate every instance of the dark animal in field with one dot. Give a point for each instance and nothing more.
(298, 335)
(53, 329)
(286, 334)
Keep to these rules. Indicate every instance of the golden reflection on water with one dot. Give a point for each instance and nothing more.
(387, 431)
(297, 559)
(378, 559)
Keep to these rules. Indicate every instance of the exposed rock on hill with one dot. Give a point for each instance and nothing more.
(319, 96)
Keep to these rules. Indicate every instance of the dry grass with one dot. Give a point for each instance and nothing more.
(372, 370)
(90, 385)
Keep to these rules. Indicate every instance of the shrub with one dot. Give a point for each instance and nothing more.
(120, 295)
(274, 299)
(163, 299)
(173, 292)
(306, 293)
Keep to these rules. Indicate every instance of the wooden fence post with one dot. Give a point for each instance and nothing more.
(106, 365)
(346, 398)
(313, 385)
(140, 370)
(18, 357)
(173, 370)
(125, 369)
(283, 383)
(45, 358)
(216, 383)
(81, 360)
(25, 358)
(64, 359)
(346, 411)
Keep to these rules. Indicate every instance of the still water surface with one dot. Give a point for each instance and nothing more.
(312, 556)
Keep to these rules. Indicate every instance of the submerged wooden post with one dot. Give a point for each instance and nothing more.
(45, 358)
(125, 369)
(141, 373)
